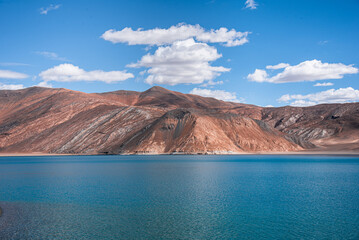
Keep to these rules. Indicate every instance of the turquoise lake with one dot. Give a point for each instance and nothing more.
(179, 197)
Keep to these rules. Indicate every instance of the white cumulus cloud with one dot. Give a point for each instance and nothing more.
(45, 10)
(341, 95)
(218, 94)
(44, 84)
(69, 73)
(326, 84)
(12, 75)
(185, 62)
(162, 36)
(259, 75)
(11, 86)
(251, 4)
(305, 71)
(231, 38)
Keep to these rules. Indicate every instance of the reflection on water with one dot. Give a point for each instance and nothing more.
(161, 197)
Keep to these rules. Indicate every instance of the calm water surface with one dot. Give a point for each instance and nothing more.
(180, 197)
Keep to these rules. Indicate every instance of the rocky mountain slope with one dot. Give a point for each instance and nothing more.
(162, 121)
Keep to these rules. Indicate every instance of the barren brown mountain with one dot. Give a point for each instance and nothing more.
(162, 121)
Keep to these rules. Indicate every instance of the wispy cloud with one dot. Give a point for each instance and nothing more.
(70, 73)
(278, 66)
(45, 10)
(6, 64)
(323, 42)
(52, 56)
(218, 94)
(12, 75)
(211, 83)
(326, 84)
(305, 71)
(341, 95)
(251, 4)
(11, 86)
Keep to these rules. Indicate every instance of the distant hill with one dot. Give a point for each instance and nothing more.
(160, 121)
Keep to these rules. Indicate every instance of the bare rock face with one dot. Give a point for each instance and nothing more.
(162, 121)
(198, 131)
(325, 125)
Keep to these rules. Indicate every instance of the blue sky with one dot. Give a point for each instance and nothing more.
(179, 46)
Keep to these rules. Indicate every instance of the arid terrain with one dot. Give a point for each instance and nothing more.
(160, 121)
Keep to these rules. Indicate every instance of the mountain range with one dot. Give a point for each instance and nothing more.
(160, 121)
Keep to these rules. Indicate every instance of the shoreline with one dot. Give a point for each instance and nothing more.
(332, 153)
(34, 154)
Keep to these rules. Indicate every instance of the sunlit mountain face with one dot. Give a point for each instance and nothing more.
(50, 120)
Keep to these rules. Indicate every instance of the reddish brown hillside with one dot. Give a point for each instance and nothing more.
(164, 98)
(330, 126)
(191, 130)
(163, 121)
